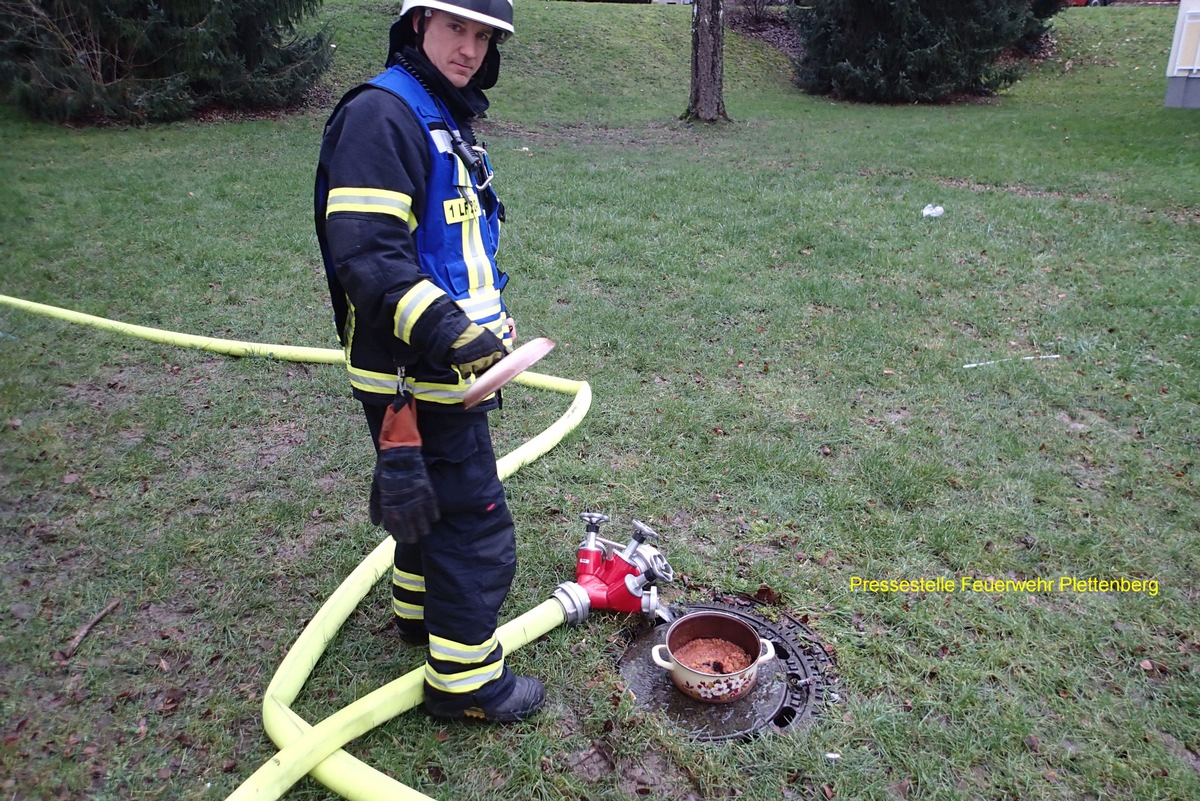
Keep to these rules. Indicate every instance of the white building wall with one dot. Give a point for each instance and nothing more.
(1183, 67)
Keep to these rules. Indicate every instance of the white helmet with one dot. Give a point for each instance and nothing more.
(497, 13)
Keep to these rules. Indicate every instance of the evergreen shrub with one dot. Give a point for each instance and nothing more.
(908, 51)
(1038, 26)
(147, 61)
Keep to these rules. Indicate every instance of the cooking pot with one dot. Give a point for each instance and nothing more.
(717, 686)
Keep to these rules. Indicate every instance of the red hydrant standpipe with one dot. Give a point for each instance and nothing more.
(617, 580)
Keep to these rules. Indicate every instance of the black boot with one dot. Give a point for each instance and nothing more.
(412, 632)
(527, 697)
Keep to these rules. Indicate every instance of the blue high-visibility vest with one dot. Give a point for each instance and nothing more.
(457, 232)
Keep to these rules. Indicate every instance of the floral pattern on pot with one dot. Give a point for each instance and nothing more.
(725, 688)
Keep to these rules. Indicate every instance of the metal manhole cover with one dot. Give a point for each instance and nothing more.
(790, 688)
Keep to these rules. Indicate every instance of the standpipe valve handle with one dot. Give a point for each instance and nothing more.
(592, 540)
(650, 559)
(593, 521)
(642, 532)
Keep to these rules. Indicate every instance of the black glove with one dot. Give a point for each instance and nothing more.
(402, 498)
(475, 350)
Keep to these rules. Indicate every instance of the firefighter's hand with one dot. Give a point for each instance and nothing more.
(476, 350)
(511, 340)
(402, 499)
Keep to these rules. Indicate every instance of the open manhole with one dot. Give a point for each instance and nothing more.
(790, 689)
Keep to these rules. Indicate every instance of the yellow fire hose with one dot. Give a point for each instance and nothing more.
(316, 750)
(229, 347)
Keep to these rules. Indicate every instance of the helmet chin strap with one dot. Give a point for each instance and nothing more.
(419, 22)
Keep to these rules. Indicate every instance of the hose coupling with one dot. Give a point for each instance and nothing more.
(574, 600)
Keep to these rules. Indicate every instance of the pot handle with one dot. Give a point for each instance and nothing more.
(658, 660)
(766, 651)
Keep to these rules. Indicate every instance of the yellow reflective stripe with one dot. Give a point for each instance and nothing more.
(466, 682)
(371, 201)
(372, 389)
(366, 380)
(407, 581)
(461, 176)
(351, 314)
(475, 256)
(451, 651)
(412, 306)
(479, 266)
(408, 611)
(370, 381)
(481, 304)
(437, 393)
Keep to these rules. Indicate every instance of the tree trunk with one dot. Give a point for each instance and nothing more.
(707, 101)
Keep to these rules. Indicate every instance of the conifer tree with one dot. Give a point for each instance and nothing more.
(148, 61)
(909, 51)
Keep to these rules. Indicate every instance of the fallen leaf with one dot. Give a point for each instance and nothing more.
(766, 594)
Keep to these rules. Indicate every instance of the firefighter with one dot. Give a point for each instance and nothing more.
(408, 223)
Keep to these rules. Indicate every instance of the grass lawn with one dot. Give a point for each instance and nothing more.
(775, 338)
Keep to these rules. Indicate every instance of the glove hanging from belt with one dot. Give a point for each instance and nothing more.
(402, 499)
